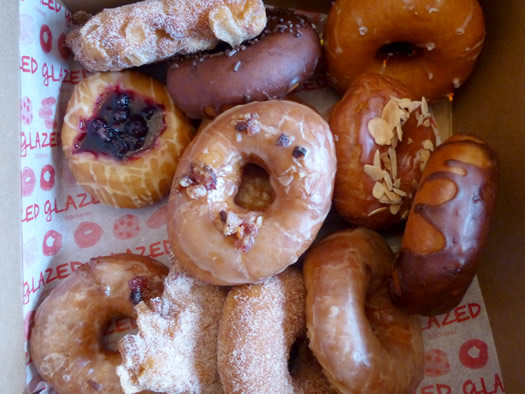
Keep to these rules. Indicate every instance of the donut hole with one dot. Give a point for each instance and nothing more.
(401, 50)
(115, 329)
(255, 191)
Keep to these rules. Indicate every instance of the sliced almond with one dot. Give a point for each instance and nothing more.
(399, 131)
(404, 215)
(373, 172)
(394, 209)
(426, 123)
(397, 183)
(377, 159)
(423, 158)
(391, 113)
(386, 161)
(424, 107)
(399, 192)
(388, 180)
(378, 129)
(378, 191)
(378, 210)
(393, 197)
(427, 144)
(393, 161)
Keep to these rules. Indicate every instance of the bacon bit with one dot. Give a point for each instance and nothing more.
(299, 152)
(247, 123)
(224, 216)
(243, 231)
(283, 140)
(199, 181)
(138, 286)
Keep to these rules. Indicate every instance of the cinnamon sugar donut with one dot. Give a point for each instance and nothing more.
(259, 325)
(384, 136)
(364, 343)
(430, 46)
(65, 342)
(223, 243)
(175, 349)
(122, 137)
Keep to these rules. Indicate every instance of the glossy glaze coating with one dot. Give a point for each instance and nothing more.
(222, 243)
(66, 345)
(141, 178)
(355, 148)
(446, 38)
(267, 67)
(447, 227)
(259, 325)
(363, 342)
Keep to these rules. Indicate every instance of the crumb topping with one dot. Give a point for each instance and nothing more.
(242, 231)
(200, 180)
(247, 123)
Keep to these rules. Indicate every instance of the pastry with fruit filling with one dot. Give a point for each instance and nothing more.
(122, 137)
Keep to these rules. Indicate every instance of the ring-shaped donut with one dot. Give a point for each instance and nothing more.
(259, 325)
(267, 67)
(441, 41)
(142, 175)
(363, 342)
(222, 243)
(66, 345)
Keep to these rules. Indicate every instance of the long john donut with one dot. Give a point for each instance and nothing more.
(446, 228)
(363, 342)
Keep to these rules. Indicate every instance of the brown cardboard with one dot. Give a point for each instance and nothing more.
(489, 105)
(12, 338)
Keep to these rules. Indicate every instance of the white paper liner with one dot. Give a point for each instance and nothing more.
(63, 227)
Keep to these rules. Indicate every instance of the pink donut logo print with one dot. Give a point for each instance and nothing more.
(87, 234)
(158, 218)
(52, 243)
(436, 363)
(474, 354)
(46, 112)
(28, 181)
(47, 177)
(26, 111)
(126, 227)
(46, 38)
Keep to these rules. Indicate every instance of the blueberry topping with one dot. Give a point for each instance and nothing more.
(137, 127)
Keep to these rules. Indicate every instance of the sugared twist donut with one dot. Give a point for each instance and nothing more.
(430, 46)
(66, 345)
(175, 349)
(267, 67)
(363, 342)
(122, 137)
(220, 242)
(383, 139)
(259, 325)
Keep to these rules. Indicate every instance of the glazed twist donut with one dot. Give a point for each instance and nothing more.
(430, 46)
(363, 342)
(259, 325)
(66, 345)
(223, 243)
(447, 227)
(175, 349)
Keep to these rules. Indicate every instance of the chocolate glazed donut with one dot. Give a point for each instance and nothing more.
(446, 228)
(267, 67)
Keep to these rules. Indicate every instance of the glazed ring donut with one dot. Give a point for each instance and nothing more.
(267, 67)
(380, 155)
(446, 228)
(66, 337)
(363, 342)
(122, 137)
(259, 325)
(175, 349)
(430, 46)
(221, 242)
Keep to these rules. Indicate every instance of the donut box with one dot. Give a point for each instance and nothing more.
(56, 226)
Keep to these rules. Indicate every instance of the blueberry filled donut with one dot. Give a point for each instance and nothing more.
(218, 240)
(267, 67)
(430, 46)
(65, 342)
(122, 137)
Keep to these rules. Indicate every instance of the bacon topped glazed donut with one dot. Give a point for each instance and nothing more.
(267, 67)
(66, 345)
(363, 342)
(260, 323)
(383, 138)
(430, 46)
(122, 137)
(223, 243)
